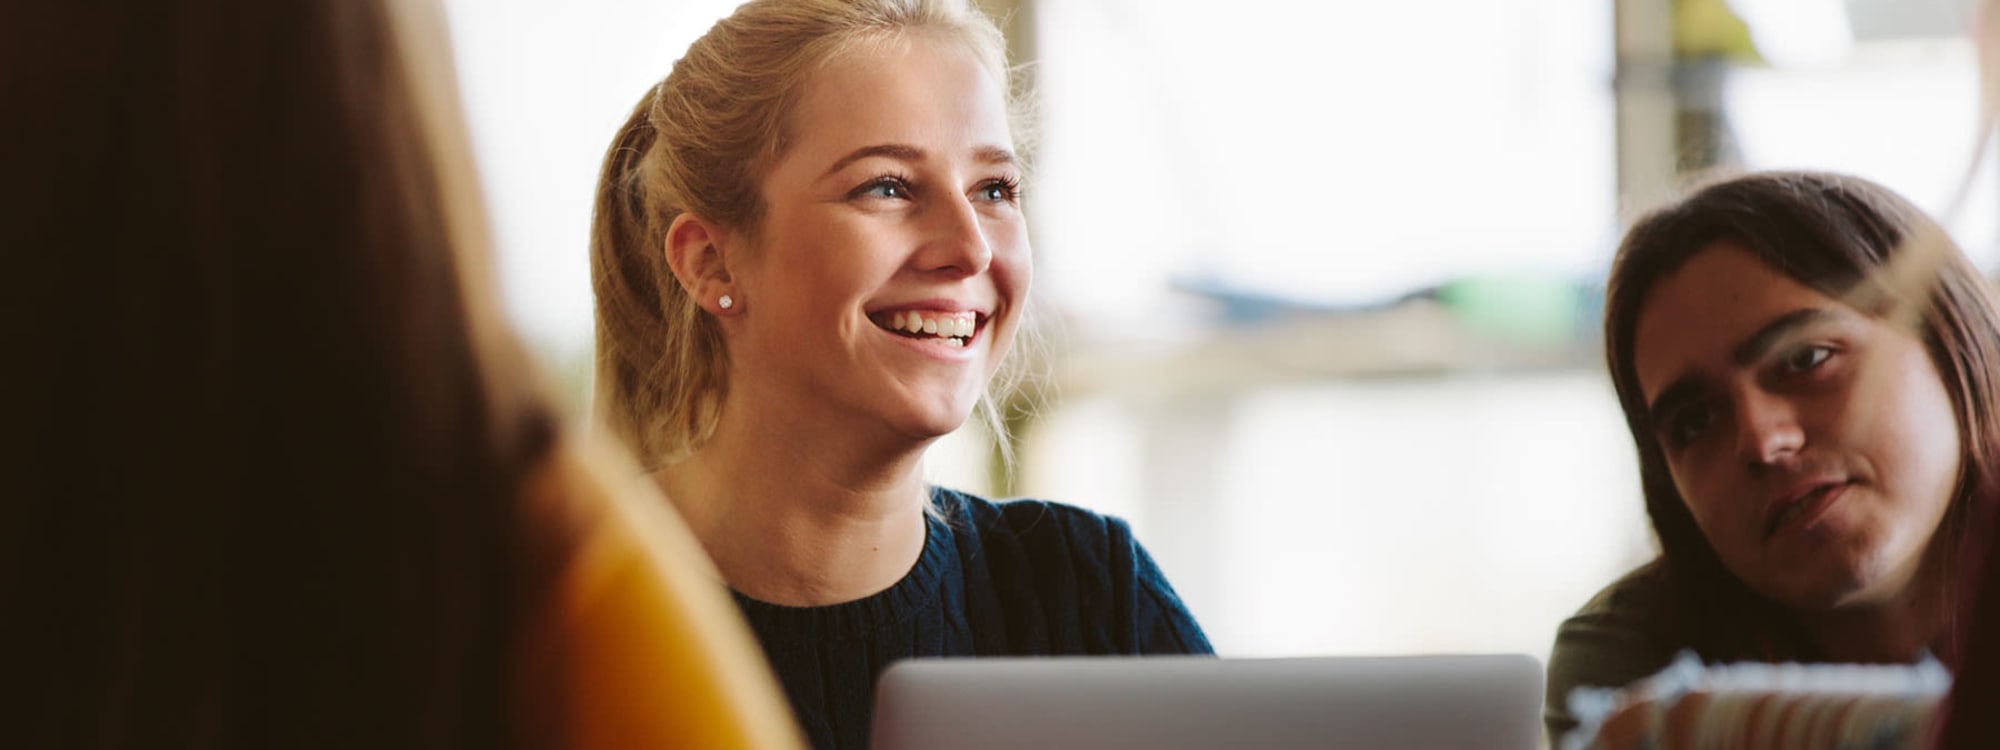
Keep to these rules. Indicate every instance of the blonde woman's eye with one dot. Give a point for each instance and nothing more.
(893, 188)
(1000, 191)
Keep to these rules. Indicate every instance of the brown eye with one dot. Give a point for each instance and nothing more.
(1807, 358)
(1687, 425)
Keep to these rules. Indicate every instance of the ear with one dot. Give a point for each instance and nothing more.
(694, 253)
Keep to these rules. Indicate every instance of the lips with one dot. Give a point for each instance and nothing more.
(1802, 505)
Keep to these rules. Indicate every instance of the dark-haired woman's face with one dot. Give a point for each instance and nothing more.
(1815, 445)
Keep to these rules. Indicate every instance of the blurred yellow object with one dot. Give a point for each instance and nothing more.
(642, 647)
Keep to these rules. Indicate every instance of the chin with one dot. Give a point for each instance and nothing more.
(934, 424)
(937, 416)
(927, 434)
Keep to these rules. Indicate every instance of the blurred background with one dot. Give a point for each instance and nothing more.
(1319, 282)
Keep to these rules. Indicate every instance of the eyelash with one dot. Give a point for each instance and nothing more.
(1009, 188)
(891, 180)
(1793, 356)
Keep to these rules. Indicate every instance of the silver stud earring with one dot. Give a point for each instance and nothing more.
(726, 302)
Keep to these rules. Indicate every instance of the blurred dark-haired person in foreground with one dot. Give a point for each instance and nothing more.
(282, 477)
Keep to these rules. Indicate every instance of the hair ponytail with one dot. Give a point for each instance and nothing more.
(659, 360)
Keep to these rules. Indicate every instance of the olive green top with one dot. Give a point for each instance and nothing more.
(1615, 639)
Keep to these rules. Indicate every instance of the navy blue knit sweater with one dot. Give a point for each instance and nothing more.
(1020, 578)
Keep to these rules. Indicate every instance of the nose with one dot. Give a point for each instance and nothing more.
(1768, 428)
(956, 241)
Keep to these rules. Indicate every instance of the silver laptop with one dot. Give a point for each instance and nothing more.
(1183, 703)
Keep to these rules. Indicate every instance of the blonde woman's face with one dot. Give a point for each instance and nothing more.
(888, 275)
(1814, 444)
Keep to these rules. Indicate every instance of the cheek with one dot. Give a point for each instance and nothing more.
(1916, 431)
(1706, 493)
(1013, 264)
(1013, 272)
(1002, 346)
(812, 277)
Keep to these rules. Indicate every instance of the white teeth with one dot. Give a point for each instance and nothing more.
(954, 343)
(951, 326)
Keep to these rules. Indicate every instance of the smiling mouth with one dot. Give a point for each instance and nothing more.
(1803, 508)
(954, 329)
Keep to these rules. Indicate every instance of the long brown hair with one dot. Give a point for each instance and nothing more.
(1967, 718)
(1836, 234)
(275, 434)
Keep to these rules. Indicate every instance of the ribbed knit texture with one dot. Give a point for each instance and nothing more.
(1019, 578)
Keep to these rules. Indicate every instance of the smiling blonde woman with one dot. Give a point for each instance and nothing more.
(810, 263)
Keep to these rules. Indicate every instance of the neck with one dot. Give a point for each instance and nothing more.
(1896, 629)
(793, 518)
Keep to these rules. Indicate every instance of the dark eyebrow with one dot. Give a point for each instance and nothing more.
(895, 151)
(1752, 349)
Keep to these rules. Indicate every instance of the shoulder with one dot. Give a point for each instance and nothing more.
(1629, 615)
(1615, 638)
(1639, 593)
(1051, 544)
(1083, 569)
(1033, 521)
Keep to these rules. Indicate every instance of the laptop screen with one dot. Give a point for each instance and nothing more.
(1180, 703)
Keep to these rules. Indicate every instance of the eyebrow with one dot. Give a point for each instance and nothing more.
(1752, 349)
(904, 152)
(895, 151)
(995, 155)
(1761, 342)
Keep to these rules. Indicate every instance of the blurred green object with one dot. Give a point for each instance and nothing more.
(1709, 29)
(1529, 309)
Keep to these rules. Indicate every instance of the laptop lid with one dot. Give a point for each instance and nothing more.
(1181, 703)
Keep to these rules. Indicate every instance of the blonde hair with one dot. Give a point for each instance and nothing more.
(700, 143)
